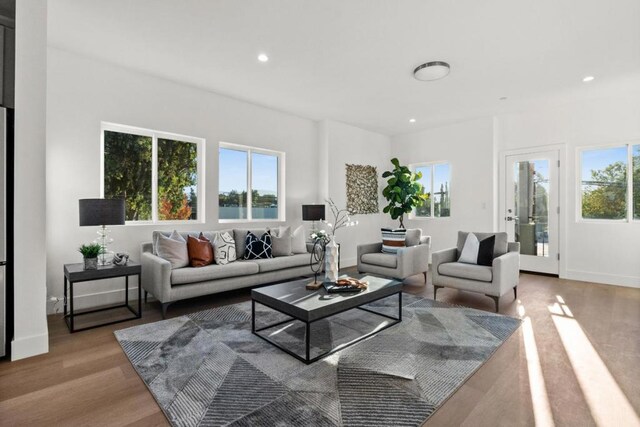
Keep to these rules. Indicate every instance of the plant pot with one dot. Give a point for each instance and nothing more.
(91, 263)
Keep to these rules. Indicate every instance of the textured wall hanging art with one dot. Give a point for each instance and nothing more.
(362, 189)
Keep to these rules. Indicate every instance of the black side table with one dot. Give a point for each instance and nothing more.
(74, 273)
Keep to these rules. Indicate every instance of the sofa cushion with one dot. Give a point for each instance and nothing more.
(212, 272)
(392, 239)
(224, 248)
(298, 241)
(280, 263)
(240, 234)
(281, 241)
(499, 249)
(381, 259)
(173, 249)
(200, 251)
(412, 238)
(466, 271)
(257, 247)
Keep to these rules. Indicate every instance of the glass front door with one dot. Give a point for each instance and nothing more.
(531, 216)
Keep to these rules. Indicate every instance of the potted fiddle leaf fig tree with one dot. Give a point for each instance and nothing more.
(403, 191)
(90, 254)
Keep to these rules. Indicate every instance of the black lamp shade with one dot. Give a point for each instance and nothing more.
(312, 212)
(101, 211)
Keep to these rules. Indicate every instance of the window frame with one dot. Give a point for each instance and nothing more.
(629, 214)
(155, 135)
(413, 167)
(280, 155)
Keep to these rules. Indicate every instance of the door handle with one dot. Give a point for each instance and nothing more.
(511, 218)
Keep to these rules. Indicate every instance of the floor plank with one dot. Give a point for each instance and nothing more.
(86, 379)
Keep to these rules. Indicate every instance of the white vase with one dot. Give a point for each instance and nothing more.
(331, 261)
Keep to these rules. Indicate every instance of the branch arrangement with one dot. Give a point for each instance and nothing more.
(341, 217)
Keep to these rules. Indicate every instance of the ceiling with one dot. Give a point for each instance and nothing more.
(352, 61)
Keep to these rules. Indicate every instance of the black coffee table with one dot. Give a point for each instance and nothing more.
(295, 301)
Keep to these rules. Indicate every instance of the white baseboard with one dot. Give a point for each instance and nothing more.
(607, 279)
(96, 299)
(34, 345)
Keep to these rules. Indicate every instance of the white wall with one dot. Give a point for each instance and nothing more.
(468, 147)
(30, 336)
(603, 252)
(82, 92)
(342, 144)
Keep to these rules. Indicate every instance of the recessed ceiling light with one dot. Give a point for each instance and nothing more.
(433, 70)
(263, 58)
(588, 79)
(412, 120)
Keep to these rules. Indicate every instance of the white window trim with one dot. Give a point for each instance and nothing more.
(629, 217)
(154, 135)
(281, 180)
(413, 167)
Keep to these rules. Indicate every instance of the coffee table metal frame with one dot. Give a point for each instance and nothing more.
(307, 359)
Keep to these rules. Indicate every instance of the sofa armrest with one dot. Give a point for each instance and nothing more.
(506, 271)
(413, 260)
(425, 240)
(156, 276)
(445, 255)
(441, 257)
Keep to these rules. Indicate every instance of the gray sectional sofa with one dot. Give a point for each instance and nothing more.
(169, 285)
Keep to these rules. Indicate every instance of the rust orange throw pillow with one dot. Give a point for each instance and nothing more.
(200, 251)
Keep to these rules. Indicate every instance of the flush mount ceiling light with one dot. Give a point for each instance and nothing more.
(588, 79)
(263, 58)
(430, 71)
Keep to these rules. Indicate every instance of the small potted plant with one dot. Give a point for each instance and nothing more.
(90, 254)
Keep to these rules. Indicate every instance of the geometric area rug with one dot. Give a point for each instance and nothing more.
(208, 369)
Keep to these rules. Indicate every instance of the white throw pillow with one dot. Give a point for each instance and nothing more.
(224, 248)
(173, 249)
(298, 241)
(470, 250)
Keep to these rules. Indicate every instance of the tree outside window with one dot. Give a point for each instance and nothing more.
(129, 167)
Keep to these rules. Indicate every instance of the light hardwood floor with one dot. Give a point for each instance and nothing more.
(577, 367)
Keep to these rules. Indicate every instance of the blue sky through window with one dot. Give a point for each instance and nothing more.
(233, 170)
(601, 158)
(264, 173)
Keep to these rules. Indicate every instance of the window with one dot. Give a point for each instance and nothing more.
(610, 183)
(157, 173)
(250, 184)
(436, 178)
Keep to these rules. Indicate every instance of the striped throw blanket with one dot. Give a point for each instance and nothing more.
(392, 239)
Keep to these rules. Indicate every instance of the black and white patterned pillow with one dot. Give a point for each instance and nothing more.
(257, 248)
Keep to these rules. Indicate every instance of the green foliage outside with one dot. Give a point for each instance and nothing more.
(128, 171)
(605, 195)
(177, 171)
(403, 191)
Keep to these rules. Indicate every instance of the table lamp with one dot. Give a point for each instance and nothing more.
(313, 213)
(102, 212)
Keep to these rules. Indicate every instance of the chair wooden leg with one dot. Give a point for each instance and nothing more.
(435, 290)
(496, 300)
(515, 292)
(145, 296)
(425, 277)
(165, 305)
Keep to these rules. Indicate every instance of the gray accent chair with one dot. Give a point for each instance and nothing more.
(410, 260)
(494, 281)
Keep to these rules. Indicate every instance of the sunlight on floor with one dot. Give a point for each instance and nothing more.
(608, 404)
(539, 398)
